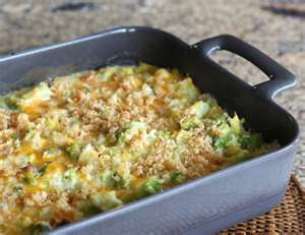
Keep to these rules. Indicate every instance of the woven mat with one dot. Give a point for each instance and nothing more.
(287, 218)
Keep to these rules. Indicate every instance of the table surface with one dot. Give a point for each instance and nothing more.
(31, 23)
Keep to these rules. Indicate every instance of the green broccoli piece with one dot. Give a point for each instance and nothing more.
(74, 151)
(29, 178)
(38, 228)
(187, 89)
(8, 102)
(112, 179)
(106, 74)
(88, 208)
(132, 129)
(236, 124)
(199, 109)
(189, 123)
(42, 170)
(251, 141)
(194, 115)
(3, 103)
(225, 141)
(106, 200)
(177, 177)
(39, 93)
(151, 186)
(70, 179)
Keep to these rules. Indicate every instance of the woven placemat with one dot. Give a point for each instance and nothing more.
(287, 218)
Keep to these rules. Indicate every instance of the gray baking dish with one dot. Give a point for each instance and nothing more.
(208, 204)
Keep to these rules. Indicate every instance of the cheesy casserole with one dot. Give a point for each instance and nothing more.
(83, 144)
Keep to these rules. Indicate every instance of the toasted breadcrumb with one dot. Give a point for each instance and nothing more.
(92, 141)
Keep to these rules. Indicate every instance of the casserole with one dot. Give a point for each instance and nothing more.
(85, 143)
(204, 205)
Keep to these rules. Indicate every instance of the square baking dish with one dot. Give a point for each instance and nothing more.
(210, 203)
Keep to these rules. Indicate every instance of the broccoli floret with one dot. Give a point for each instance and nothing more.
(111, 179)
(42, 170)
(177, 177)
(106, 179)
(235, 124)
(38, 228)
(38, 94)
(187, 89)
(106, 200)
(131, 130)
(106, 74)
(74, 151)
(15, 136)
(251, 141)
(189, 123)
(35, 139)
(88, 208)
(88, 153)
(151, 186)
(70, 179)
(199, 109)
(51, 153)
(3, 104)
(226, 141)
(9, 102)
(194, 115)
(29, 178)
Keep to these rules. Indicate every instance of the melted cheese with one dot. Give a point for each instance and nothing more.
(92, 141)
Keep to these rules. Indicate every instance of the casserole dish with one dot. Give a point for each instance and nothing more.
(208, 204)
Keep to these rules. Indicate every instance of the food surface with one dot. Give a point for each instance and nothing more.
(82, 144)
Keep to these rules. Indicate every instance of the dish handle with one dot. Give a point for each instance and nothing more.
(280, 78)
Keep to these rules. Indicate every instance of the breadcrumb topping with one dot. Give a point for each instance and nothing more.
(92, 141)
